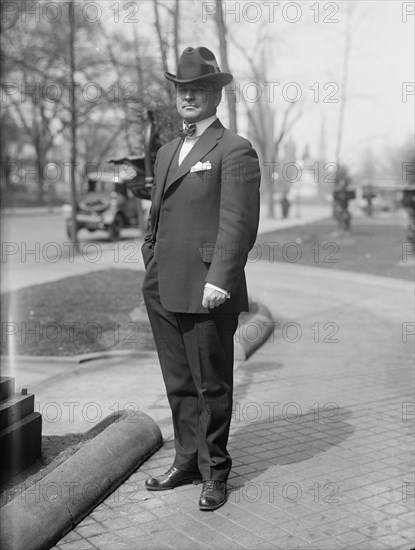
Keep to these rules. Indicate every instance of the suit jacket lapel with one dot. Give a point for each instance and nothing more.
(204, 144)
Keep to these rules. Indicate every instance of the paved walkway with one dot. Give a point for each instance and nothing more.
(321, 438)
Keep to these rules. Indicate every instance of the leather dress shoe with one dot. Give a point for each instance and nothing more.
(213, 495)
(171, 479)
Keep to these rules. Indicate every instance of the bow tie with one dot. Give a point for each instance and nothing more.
(189, 130)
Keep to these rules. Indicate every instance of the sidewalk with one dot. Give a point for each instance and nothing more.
(321, 436)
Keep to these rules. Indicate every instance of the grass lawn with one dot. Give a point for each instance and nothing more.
(88, 313)
(376, 246)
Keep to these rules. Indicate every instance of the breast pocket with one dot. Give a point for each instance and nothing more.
(205, 182)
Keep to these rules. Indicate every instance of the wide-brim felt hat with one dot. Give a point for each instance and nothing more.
(198, 65)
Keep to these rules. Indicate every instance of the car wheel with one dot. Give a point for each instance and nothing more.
(115, 227)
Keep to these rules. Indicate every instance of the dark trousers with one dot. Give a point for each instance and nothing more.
(196, 358)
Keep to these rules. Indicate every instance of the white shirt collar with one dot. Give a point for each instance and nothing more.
(202, 125)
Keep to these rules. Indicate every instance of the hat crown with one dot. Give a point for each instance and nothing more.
(196, 62)
(198, 65)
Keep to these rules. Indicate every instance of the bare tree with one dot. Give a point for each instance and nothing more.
(162, 41)
(265, 132)
(73, 108)
(163, 36)
(124, 104)
(32, 109)
(39, 62)
(176, 21)
(223, 48)
(345, 78)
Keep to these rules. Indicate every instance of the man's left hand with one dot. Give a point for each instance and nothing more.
(212, 298)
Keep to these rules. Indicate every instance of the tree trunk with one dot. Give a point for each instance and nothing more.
(230, 92)
(162, 46)
(73, 132)
(40, 164)
(176, 24)
(345, 77)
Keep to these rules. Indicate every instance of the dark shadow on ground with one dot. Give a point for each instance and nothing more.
(285, 437)
(267, 433)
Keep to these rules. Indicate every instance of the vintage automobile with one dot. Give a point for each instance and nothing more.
(110, 201)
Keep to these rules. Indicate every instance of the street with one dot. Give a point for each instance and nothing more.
(32, 243)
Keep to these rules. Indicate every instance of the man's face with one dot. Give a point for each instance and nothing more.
(196, 101)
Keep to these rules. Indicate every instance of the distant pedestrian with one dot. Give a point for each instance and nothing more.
(285, 206)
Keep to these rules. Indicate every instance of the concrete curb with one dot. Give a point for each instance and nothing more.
(45, 512)
(74, 359)
(253, 332)
(108, 354)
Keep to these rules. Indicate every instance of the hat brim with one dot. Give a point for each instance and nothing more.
(217, 78)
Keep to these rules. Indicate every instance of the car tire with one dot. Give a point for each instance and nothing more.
(115, 228)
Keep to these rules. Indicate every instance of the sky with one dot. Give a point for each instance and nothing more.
(308, 52)
(303, 44)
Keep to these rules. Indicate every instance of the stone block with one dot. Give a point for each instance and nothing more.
(20, 444)
(6, 387)
(15, 408)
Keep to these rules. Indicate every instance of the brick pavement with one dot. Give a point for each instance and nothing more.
(322, 441)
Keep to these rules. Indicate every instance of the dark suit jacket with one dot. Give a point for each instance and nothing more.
(203, 223)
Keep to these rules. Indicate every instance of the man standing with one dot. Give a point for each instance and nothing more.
(203, 222)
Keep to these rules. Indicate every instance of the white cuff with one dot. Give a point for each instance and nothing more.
(214, 287)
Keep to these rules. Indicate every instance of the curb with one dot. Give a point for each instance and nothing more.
(107, 354)
(45, 512)
(253, 332)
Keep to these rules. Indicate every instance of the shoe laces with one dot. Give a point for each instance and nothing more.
(210, 485)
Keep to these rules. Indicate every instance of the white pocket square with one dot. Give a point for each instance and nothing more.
(199, 166)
